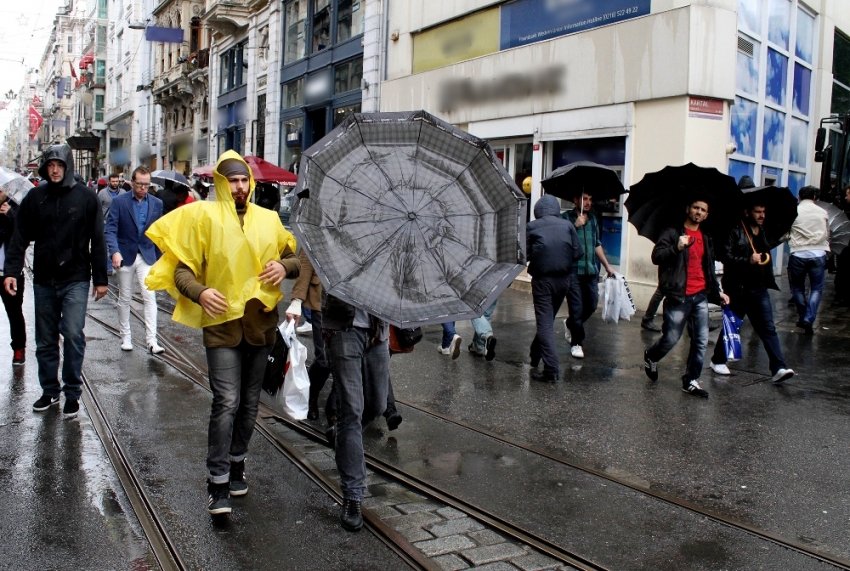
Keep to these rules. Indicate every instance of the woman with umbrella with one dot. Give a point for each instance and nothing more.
(748, 273)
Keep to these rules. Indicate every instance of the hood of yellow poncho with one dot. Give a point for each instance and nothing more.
(207, 237)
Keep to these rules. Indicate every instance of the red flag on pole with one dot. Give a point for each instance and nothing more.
(35, 122)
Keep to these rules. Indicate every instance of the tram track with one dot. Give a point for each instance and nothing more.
(197, 372)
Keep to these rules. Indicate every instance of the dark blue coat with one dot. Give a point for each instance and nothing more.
(551, 244)
(122, 231)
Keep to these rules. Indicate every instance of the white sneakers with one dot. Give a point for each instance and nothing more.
(127, 344)
(155, 349)
(567, 333)
(453, 349)
(577, 352)
(720, 369)
(304, 329)
(782, 375)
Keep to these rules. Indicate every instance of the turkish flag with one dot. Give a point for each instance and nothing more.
(35, 122)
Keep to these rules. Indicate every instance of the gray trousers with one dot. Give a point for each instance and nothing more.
(361, 375)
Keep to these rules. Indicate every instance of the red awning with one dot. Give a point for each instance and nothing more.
(262, 170)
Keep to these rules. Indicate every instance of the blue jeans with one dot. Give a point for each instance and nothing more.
(361, 373)
(798, 269)
(236, 377)
(482, 327)
(308, 314)
(693, 311)
(448, 334)
(582, 299)
(60, 309)
(548, 294)
(755, 304)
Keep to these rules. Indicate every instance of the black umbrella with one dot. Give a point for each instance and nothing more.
(659, 200)
(159, 177)
(839, 227)
(780, 210)
(573, 179)
(409, 218)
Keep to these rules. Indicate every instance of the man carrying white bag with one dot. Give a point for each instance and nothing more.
(617, 300)
(293, 397)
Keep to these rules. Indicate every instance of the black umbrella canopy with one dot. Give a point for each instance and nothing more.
(839, 226)
(409, 218)
(572, 180)
(780, 210)
(659, 200)
(160, 177)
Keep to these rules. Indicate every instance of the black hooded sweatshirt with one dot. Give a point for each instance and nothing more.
(65, 222)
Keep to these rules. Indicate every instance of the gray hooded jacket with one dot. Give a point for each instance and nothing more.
(65, 222)
(551, 243)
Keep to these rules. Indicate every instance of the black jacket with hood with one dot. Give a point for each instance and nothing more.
(65, 222)
(673, 265)
(551, 243)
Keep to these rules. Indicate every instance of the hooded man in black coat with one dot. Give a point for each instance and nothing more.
(65, 221)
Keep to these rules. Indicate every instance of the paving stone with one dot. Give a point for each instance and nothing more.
(417, 507)
(413, 534)
(450, 513)
(497, 566)
(487, 537)
(491, 553)
(383, 511)
(455, 526)
(374, 480)
(536, 562)
(421, 519)
(443, 545)
(450, 562)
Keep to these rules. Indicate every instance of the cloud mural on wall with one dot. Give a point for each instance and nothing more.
(777, 74)
(747, 73)
(778, 22)
(743, 126)
(749, 15)
(774, 135)
(805, 36)
(797, 142)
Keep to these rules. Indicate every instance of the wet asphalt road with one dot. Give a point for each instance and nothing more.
(774, 457)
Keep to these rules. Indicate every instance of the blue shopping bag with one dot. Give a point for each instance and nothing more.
(731, 337)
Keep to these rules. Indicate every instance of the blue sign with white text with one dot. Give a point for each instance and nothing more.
(528, 21)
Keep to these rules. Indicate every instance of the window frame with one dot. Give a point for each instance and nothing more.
(308, 30)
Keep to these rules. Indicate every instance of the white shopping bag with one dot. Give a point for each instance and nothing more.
(627, 304)
(294, 395)
(611, 300)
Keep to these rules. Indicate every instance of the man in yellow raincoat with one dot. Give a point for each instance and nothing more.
(223, 262)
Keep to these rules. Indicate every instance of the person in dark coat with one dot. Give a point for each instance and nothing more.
(12, 303)
(747, 277)
(552, 247)
(65, 221)
(685, 256)
(268, 196)
(168, 195)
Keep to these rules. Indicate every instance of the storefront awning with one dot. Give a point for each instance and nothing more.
(79, 143)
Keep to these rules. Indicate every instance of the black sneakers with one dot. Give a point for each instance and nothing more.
(543, 377)
(649, 325)
(19, 357)
(490, 348)
(693, 388)
(393, 419)
(350, 516)
(71, 408)
(44, 403)
(238, 486)
(218, 501)
(650, 367)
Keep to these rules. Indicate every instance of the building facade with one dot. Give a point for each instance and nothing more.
(633, 85)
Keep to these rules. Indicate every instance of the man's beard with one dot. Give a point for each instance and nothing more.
(240, 202)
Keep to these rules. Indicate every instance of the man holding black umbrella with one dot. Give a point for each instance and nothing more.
(685, 257)
(747, 276)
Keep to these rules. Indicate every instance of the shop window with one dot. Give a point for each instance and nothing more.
(293, 93)
(773, 140)
(348, 75)
(802, 89)
(805, 36)
(779, 22)
(747, 73)
(738, 169)
(744, 116)
(291, 135)
(342, 113)
(749, 16)
(777, 77)
(294, 46)
(321, 24)
(797, 142)
(350, 20)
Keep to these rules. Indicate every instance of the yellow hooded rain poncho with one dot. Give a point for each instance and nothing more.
(207, 237)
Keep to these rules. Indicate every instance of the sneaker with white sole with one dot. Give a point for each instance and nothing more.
(782, 375)
(127, 344)
(71, 408)
(44, 402)
(650, 367)
(720, 369)
(155, 349)
(490, 348)
(476, 351)
(304, 329)
(693, 388)
(567, 335)
(454, 347)
(577, 352)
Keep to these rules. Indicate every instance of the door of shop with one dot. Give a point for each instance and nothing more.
(515, 155)
(317, 121)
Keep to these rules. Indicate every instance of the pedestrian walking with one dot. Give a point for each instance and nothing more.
(552, 248)
(132, 254)
(105, 195)
(483, 341)
(648, 322)
(64, 220)
(358, 353)
(211, 255)
(583, 295)
(747, 277)
(450, 343)
(13, 304)
(809, 244)
(685, 257)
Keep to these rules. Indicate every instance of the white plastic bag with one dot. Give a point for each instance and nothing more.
(294, 396)
(611, 300)
(627, 304)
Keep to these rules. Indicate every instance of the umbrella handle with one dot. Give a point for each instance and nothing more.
(765, 258)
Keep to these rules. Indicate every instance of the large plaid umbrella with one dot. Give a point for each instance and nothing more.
(409, 218)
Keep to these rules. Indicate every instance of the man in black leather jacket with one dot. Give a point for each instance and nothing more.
(747, 277)
(685, 257)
